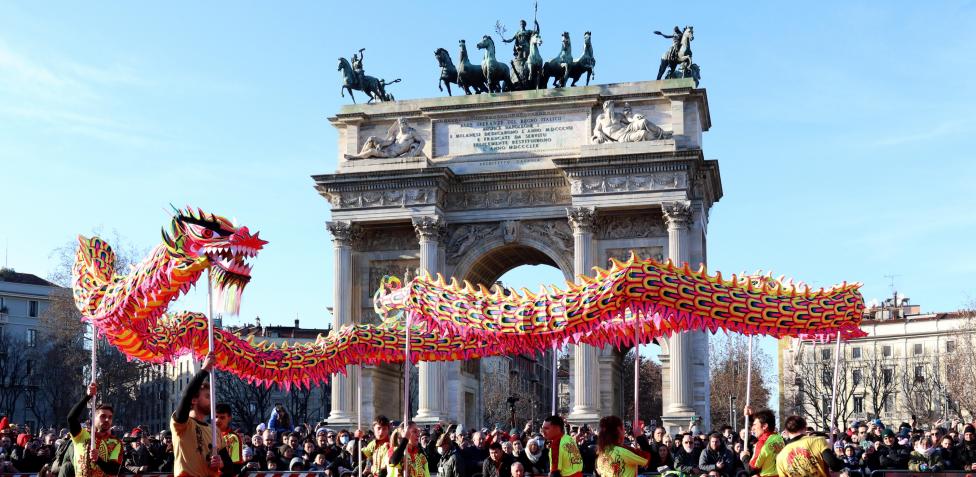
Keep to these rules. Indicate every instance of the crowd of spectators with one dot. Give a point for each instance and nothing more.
(452, 451)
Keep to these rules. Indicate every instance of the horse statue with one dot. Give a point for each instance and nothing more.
(678, 59)
(583, 64)
(496, 72)
(556, 67)
(469, 75)
(535, 61)
(373, 87)
(449, 73)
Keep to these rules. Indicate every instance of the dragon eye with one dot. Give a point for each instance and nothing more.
(207, 233)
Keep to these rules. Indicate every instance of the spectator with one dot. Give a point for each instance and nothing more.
(138, 460)
(498, 463)
(665, 458)
(892, 455)
(946, 451)
(716, 457)
(966, 452)
(686, 457)
(536, 460)
(925, 458)
(448, 465)
(279, 421)
(518, 470)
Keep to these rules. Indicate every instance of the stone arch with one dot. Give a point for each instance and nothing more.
(489, 260)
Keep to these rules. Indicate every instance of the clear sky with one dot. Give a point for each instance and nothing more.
(844, 130)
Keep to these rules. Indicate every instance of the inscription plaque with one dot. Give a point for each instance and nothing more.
(514, 132)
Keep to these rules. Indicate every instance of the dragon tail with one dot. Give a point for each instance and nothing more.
(93, 269)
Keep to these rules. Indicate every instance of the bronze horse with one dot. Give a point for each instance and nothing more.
(450, 74)
(373, 87)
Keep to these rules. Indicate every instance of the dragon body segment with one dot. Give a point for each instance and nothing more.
(660, 298)
(449, 322)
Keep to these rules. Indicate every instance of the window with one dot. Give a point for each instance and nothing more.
(825, 353)
(31, 338)
(32, 308)
(798, 399)
(858, 404)
(887, 376)
(856, 352)
(30, 367)
(856, 377)
(919, 373)
(950, 346)
(886, 351)
(828, 378)
(917, 349)
(886, 404)
(825, 402)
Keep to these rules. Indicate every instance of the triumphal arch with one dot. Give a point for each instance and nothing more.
(473, 186)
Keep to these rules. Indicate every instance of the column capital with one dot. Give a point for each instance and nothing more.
(581, 219)
(344, 233)
(677, 215)
(428, 227)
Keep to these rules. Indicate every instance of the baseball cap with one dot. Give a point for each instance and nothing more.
(888, 433)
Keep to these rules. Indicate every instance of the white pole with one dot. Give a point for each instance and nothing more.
(748, 381)
(94, 373)
(637, 363)
(210, 349)
(406, 392)
(555, 389)
(833, 392)
(359, 417)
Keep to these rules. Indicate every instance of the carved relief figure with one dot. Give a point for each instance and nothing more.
(613, 126)
(400, 141)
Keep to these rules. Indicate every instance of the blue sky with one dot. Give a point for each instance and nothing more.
(844, 130)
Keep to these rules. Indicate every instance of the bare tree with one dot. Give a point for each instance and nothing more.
(922, 388)
(962, 362)
(649, 393)
(728, 365)
(298, 400)
(495, 383)
(14, 372)
(248, 402)
(876, 375)
(810, 384)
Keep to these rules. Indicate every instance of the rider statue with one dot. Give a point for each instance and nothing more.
(521, 38)
(670, 56)
(400, 141)
(612, 126)
(357, 66)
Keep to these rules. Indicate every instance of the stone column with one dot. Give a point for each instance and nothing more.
(430, 403)
(586, 365)
(680, 403)
(343, 234)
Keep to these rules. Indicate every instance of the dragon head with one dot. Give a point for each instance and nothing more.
(200, 238)
(390, 297)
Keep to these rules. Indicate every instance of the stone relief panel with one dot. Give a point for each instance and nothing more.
(388, 198)
(554, 232)
(388, 238)
(623, 254)
(508, 198)
(628, 183)
(463, 237)
(611, 227)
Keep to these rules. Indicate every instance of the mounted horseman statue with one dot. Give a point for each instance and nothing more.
(677, 60)
(353, 77)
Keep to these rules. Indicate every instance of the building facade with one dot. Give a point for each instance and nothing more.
(904, 367)
(161, 385)
(24, 298)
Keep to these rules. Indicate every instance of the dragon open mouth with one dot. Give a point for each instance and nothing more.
(230, 272)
